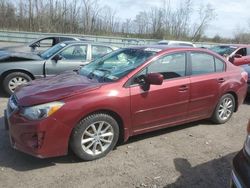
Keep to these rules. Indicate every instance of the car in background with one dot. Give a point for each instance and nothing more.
(241, 165)
(176, 43)
(127, 92)
(247, 69)
(19, 68)
(41, 44)
(238, 54)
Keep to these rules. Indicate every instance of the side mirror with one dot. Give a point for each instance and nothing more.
(35, 45)
(154, 78)
(57, 58)
(238, 56)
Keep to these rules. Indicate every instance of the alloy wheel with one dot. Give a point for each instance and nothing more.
(225, 108)
(16, 81)
(97, 138)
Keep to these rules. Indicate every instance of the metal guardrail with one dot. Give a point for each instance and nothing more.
(25, 37)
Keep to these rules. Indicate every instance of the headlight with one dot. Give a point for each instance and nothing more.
(41, 111)
(247, 145)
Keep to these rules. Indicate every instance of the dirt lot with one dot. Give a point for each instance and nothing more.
(192, 155)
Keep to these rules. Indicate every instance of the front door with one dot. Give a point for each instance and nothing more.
(72, 58)
(161, 105)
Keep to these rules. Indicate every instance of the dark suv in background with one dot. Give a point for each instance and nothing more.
(241, 165)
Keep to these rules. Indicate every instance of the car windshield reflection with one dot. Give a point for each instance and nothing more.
(115, 65)
(51, 51)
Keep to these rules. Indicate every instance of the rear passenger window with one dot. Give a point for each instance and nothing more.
(219, 65)
(170, 66)
(99, 51)
(248, 51)
(202, 63)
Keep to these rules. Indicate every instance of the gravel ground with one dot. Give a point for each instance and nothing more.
(192, 155)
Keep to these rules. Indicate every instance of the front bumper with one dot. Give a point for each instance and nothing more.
(241, 171)
(42, 139)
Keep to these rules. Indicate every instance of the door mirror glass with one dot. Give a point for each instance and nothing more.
(57, 58)
(154, 78)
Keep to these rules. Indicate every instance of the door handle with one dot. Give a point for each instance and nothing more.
(221, 80)
(183, 88)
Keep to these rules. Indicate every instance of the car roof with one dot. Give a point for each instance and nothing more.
(161, 47)
(87, 42)
(165, 48)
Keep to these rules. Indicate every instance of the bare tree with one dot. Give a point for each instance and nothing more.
(207, 14)
(89, 17)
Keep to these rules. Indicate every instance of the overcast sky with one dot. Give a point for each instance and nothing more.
(230, 13)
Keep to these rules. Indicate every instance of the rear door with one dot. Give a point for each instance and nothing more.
(207, 77)
(164, 104)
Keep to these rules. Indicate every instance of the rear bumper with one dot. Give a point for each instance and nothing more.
(241, 171)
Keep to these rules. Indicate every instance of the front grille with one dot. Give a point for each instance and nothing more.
(12, 104)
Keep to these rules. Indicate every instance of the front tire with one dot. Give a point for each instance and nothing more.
(14, 79)
(224, 109)
(95, 136)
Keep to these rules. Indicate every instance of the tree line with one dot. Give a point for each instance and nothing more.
(90, 17)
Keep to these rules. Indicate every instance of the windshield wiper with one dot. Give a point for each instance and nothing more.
(103, 70)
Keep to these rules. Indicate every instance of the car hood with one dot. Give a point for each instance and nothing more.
(7, 56)
(54, 88)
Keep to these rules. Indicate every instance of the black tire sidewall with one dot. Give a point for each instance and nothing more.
(10, 76)
(76, 136)
(216, 118)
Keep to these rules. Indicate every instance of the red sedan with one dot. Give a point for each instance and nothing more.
(125, 93)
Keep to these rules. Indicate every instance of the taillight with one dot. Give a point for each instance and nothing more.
(244, 75)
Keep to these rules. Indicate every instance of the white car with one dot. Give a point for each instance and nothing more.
(176, 43)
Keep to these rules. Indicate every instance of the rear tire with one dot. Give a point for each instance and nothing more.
(224, 109)
(14, 79)
(94, 137)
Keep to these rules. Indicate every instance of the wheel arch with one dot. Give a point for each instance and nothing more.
(113, 114)
(4, 74)
(235, 98)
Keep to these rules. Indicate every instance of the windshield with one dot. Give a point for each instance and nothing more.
(116, 64)
(51, 51)
(224, 50)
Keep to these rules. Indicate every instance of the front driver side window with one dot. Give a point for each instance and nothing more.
(170, 66)
(76, 52)
(46, 43)
(242, 51)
